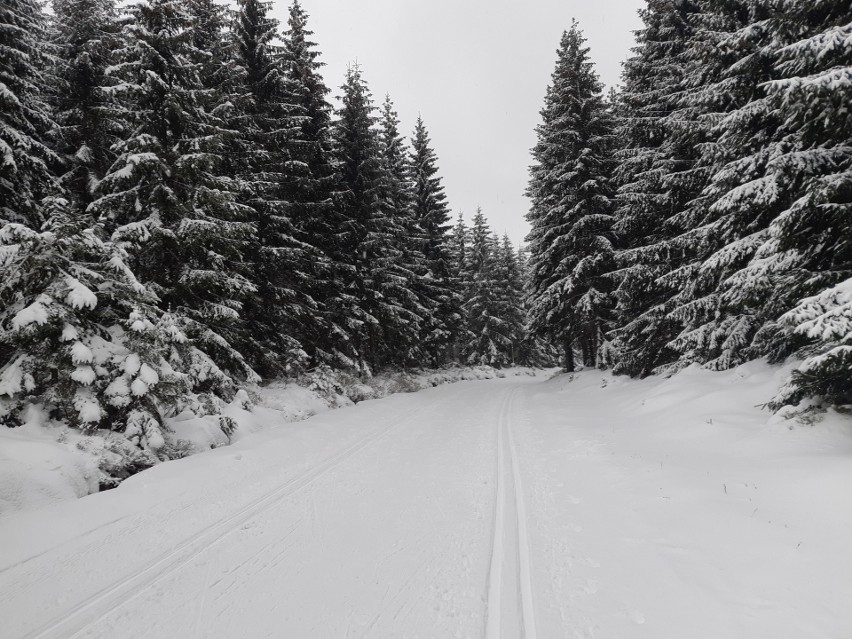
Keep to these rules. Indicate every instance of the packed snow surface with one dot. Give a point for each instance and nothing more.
(581, 506)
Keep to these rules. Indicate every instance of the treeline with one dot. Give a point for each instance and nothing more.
(493, 277)
(703, 214)
(182, 212)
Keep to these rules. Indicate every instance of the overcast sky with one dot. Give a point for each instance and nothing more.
(476, 70)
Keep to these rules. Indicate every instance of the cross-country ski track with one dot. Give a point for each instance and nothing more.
(513, 508)
(511, 612)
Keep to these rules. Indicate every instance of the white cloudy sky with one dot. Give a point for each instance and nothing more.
(476, 70)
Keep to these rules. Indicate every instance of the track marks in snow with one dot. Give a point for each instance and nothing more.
(511, 604)
(104, 602)
(390, 540)
(527, 601)
(495, 577)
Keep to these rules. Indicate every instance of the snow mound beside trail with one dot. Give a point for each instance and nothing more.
(37, 470)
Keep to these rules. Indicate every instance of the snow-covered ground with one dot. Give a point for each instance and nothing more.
(45, 461)
(580, 506)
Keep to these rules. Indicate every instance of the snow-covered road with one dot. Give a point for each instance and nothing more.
(505, 508)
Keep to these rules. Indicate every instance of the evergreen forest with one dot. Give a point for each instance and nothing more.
(185, 211)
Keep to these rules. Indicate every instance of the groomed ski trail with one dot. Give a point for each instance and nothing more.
(124, 591)
(381, 527)
(582, 506)
(511, 609)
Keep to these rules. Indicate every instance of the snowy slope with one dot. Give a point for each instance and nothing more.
(676, 508)
(585, 506)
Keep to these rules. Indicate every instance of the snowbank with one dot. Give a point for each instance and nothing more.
(37, 469)
(682, 503)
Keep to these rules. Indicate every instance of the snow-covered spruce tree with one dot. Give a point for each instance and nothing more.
(486, 339)
(570, 244)
(654, 184)
(370, 236)
(164, 201)
(433, 216)
(458, 243)
(813, 94)
(87, 341)
(825, 320)
(25, 124)
(808, 250)
(266, 119)
(727, 318)
(398, 190)
(86, 34)
(311, 145)
(312, 191)
(533, 350)
(773, 149)
(215, 56)
(510, 297)
(411, 286)
(727, 58)
(25, 121)
(70, 308)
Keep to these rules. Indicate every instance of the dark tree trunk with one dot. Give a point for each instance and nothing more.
(590, 353)
(569, 355)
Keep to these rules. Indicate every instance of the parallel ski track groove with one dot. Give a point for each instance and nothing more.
(171, 561)
(506, 447)
(527, 599)
(495, 574)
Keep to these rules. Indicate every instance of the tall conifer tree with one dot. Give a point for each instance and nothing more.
(408, 285)
(458, 246)
(87, 34)
(267, 120)
(25, 120)
(164, 198)
(511, 298)
(377, 316)
(726, 61)
(432, 214)
(72, 309)
(314, 191)
(654, 184)
(808, 251)
(570, 243)
(315, 179)
(487, 337)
